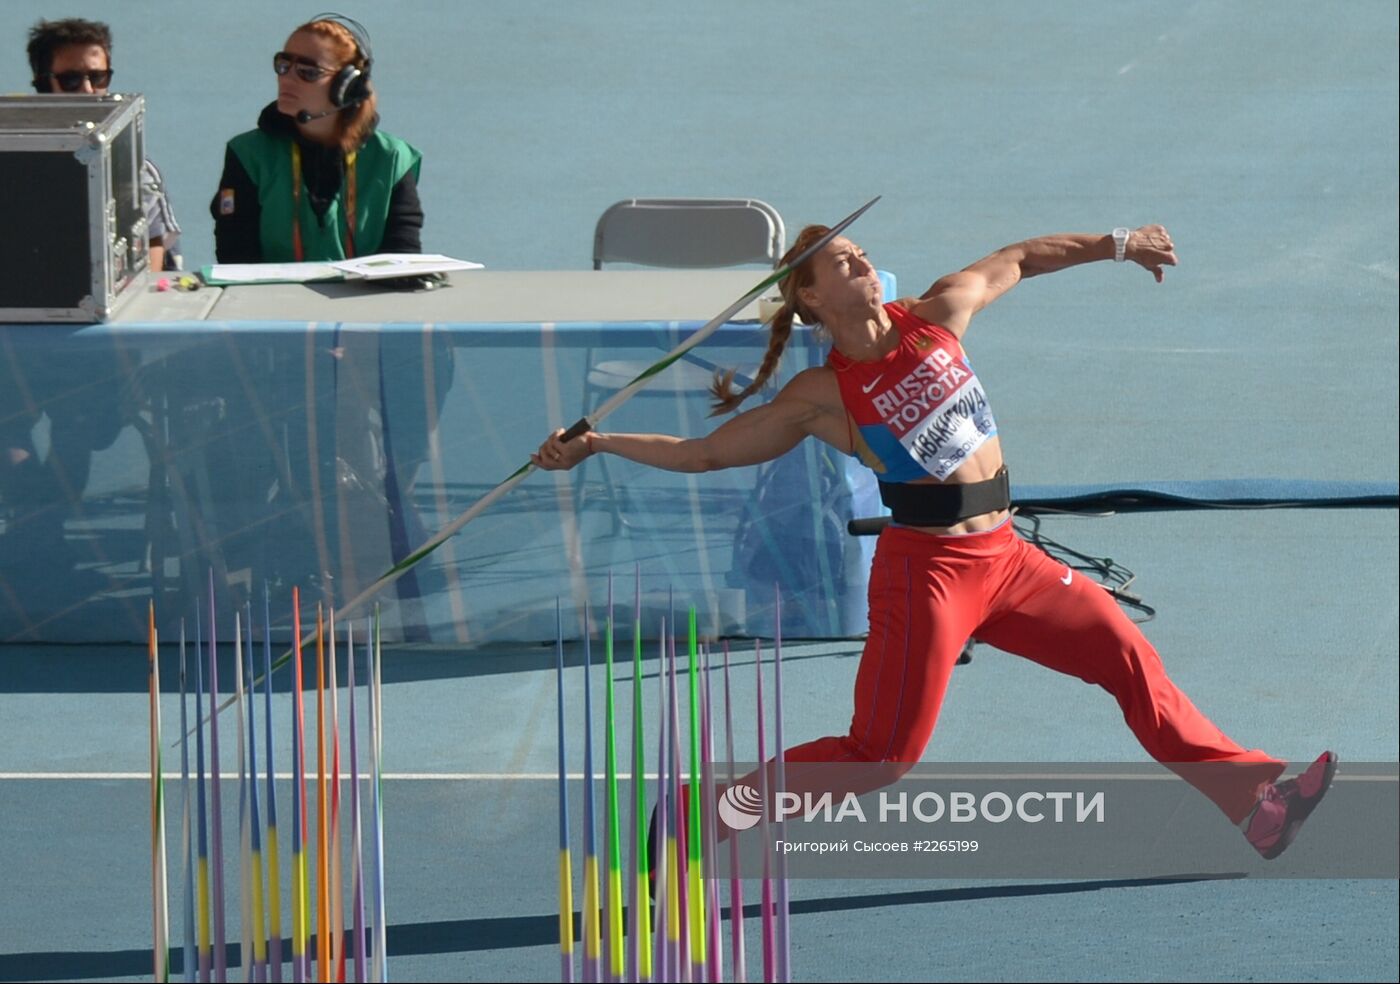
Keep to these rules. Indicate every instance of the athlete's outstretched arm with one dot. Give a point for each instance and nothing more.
(752, 437)
(954, 299)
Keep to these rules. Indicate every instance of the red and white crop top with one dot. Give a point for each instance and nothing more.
(920, 410)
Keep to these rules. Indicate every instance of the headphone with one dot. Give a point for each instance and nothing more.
(350, 87)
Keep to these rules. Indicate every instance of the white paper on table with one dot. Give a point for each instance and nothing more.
(269, 273)
(384, 265)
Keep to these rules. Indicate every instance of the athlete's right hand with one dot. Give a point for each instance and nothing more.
(558, 455)
(1151, 248)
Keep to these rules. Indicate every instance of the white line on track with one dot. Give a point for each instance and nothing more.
(627, 776)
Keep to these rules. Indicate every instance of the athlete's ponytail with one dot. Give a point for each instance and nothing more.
(726, 398)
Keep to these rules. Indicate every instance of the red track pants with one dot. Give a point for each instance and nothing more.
(928, 594)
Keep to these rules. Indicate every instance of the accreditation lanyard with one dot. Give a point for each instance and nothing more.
(298, 251)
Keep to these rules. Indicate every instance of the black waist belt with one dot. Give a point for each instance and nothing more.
(944, 505)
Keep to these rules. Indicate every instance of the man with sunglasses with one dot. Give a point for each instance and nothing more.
(39, 493)
(75, 56)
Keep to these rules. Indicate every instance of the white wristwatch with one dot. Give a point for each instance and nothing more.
(1120, 244)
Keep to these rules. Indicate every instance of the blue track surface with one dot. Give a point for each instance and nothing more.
(1263, 135)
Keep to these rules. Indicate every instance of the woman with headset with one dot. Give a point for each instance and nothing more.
(317, 179)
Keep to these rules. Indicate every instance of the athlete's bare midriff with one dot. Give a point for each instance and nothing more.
(983, 464)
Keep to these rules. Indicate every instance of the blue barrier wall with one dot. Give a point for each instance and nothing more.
(164, 457)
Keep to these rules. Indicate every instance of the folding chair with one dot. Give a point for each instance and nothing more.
(689, 233)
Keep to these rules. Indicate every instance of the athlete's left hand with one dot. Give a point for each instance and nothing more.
(1151, 248)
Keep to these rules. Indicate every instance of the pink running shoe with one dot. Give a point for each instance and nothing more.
(1284, 806)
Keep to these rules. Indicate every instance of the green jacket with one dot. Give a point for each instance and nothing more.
(379, 165)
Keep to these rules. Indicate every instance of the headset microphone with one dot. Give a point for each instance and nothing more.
(305, 117)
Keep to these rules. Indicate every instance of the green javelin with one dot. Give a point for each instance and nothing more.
(616, 952)
(696, 881)
(642, 925)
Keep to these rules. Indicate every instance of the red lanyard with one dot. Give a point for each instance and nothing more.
(298, 251)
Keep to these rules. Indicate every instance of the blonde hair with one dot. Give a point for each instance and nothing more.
(726, 398)
(352, 126)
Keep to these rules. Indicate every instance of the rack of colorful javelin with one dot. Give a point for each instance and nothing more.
(679, 937)
(337, 952)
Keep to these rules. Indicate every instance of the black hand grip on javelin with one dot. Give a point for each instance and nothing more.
(869, 526)
(581, 427)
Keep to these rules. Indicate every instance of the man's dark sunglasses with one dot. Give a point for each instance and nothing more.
(72, 81)
(306, 69)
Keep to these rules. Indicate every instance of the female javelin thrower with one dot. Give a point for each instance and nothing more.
(899, 392)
